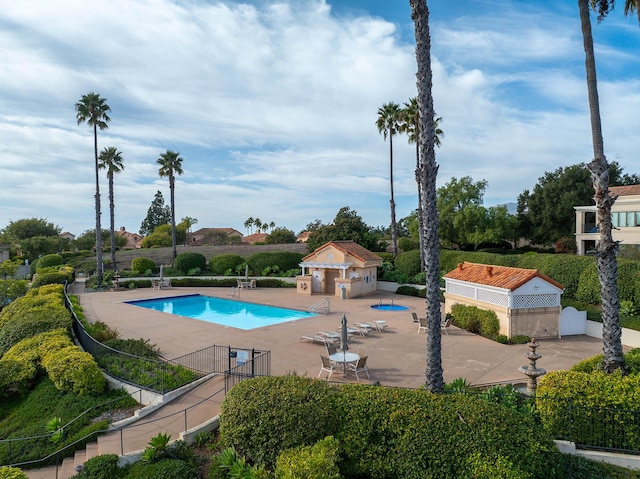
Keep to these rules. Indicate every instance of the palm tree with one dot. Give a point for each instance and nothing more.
(410, 124)
(94, 110)
(606, 263)
(258, 224)
(170, 166)
(249, 224)
(428, 173)
(111, 160)
(388, 123)
(189, 221)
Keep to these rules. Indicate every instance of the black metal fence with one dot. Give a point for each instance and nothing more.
(166, 375)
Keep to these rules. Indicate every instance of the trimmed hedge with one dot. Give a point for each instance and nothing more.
(408, 263)
(49, 260)
(36, 320)
(189, 260)
(386, 432)
(142, 265)
(63, 275)
(475, 320)
(223, 263)
(266, 261)
(71, 369)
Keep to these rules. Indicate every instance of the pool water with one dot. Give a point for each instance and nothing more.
(226, 312)
(389, 307)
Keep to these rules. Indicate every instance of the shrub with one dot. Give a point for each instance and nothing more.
(104, 466)
(566, 245)
(223, 263)
(318, 461)
(7, 472)
(31, 322)
(142, 265)
(73, 370)
(12, 289)
(188, 261)
(164, 469)
(52, 278)
(408, 244)
(49, 260)
(476, 320)
(408, 290)
(255, 423)
(589, 286)
(285, 261)
(408, 263)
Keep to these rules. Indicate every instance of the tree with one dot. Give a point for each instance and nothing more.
(87, 240)
(157, 214)
(410, 124)
(36, 246)
(388, 123)
(93, 110)
(170, 166)
(249, 222)
(452, 199)
(189, 222)
(281, 236)
(28, 228)
(347, 225)
(606, 262)
(111, 160)
(428, 174)
(9, 268)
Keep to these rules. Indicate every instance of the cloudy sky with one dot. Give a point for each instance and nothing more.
(272, 104)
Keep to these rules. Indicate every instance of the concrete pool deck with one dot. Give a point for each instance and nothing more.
(396, 357)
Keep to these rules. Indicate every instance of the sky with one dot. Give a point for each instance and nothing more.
(272, 104)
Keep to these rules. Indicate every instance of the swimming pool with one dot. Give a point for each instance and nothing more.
(389, 307)
(226, 312)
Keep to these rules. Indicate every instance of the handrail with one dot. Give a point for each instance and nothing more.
(316, 306)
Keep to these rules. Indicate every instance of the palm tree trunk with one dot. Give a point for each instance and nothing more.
(172, 187)
(419, 212)
(606, 263)
(112, 218)
(98, 225)
(428, 174)
(394, 231)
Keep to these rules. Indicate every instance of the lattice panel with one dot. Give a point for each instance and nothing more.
(535, 301)
(493, 297)
(461, 290)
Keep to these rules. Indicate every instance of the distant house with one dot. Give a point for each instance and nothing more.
(134, 240)
(625, 218)
(303, 237)
(208, 235)
(339, 268)
(525, 301)
(255, 238)
(67, 235)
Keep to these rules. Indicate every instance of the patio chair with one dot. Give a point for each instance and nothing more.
(252, 284)
(240, 284)
(445, 324)
(414, 315)
(360, 367)
(422, 325)
(327, 365)
(331, 349)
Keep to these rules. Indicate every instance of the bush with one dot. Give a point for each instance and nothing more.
(49, 260)
(73, 370)
(188, 261)
(475, 320)
(142, 265)
(284, 261)
(255, 423)
(408, 263)
(311, 462)
(60, 277)
(566, 245)
(104, 466)
(223, 263)
(7, 472)
(164, 469)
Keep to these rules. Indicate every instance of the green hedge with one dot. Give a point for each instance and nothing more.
(475, 320)
(59, 277)
(408, 263)
(49, 260)
(188, 261)
(386, 432)
(263, 262)
(223, 263)
(576, 404)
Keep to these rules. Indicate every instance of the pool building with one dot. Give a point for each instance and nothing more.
(339, 268)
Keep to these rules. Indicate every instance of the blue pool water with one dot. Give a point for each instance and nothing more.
(225, 312)
(389, 307)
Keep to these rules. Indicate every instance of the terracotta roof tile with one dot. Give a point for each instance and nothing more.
(348, 246)
(497, 276)
(628, 190)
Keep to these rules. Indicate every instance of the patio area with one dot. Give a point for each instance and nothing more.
(396, 356)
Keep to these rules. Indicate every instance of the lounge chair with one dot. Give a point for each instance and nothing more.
(445, 324)
(317, 339)
(422, 325)
(327, 365)
(360, 367)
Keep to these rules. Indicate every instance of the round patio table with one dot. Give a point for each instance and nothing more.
(344, 358)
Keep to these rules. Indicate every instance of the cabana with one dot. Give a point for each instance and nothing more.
(340, 268)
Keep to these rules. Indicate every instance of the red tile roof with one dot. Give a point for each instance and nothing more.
(628, 190)
(347, 246)
(497, 276)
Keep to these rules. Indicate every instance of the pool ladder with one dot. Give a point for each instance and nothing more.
(322, 305)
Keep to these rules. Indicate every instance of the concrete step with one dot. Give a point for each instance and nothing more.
(79, 458)
(91, 450)
(67, 469)
(48, 472)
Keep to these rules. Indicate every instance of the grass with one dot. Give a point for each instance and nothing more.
(28, 416)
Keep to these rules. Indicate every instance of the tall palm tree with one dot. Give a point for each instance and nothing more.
(249, 224)
(189, 221)
(428, 173)
(111, 160)
(388, 123)
(93, 110)
(410, 124)
(170, 166)
(606, 263)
